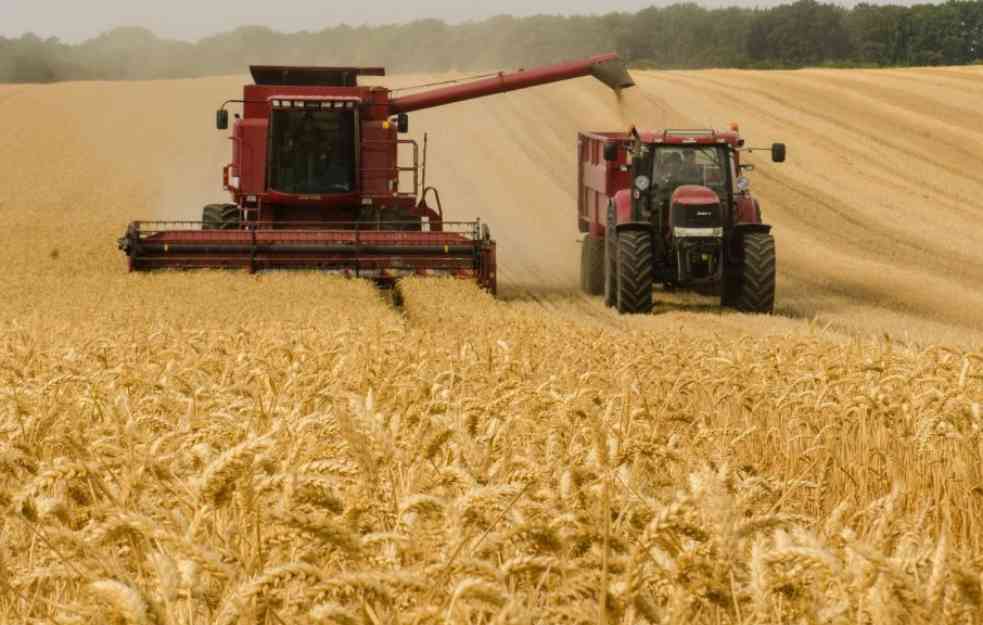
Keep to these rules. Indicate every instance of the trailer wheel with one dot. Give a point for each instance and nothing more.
(611, 269)
(635, 279)
(592, 266)
(750, 285)
(220, 217)
(610, 261)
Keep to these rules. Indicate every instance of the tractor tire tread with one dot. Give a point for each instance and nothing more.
(635, 271)
(756, 293)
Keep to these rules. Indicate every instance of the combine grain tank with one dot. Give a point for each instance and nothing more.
(317, 180)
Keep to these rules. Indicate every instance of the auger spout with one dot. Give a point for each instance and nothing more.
(608, 68)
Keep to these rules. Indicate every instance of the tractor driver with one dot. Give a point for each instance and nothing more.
(300, 154)
(670, 166)
(690, 171)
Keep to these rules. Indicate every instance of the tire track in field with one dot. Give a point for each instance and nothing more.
(966, 119)
(870, 225)
(786, 105)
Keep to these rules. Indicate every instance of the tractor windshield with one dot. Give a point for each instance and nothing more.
(704, 165)
(312, 151)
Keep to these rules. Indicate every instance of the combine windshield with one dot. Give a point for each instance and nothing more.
(312, 151)
(704, 165)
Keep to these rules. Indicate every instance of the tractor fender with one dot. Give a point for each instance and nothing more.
(622, 207)
(633, 225)
(747, 209)
(741, 229)
(733, 243)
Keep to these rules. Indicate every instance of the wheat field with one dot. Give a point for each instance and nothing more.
(219, 448)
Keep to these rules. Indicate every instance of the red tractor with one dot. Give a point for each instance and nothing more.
(315, 181)
(673, 207)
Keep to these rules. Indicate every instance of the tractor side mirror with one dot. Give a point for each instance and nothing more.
(403, 123)
(221, 119)
(610, 152)
(778, 152)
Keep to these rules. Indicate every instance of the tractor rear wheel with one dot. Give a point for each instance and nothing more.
(220, 217)
(750, 285)
(592, 266)
(635, 271)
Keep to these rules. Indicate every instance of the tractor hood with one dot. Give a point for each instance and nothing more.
(694, 195)
(695, 212)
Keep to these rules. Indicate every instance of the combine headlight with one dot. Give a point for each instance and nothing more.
(742, 183)
(642, 183)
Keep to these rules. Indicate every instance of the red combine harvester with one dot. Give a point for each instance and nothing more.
(673, 207)
(315, 181)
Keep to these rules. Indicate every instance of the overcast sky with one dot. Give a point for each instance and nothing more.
(75, 20)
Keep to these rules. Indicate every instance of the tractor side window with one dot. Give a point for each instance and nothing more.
(312, 151)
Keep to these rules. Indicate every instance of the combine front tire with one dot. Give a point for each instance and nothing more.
(635, 279)
(750, 285)
(220, 217)
(592, 266)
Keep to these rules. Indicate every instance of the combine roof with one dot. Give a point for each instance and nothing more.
(311, 76)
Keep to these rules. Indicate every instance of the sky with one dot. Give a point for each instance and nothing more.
(75, 20)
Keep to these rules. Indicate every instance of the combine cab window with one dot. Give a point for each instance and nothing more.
(702, 165)
(312, 151)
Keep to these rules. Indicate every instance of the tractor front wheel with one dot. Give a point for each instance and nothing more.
(635, 271)
(749, 283)
(220, 217)
(592, 265)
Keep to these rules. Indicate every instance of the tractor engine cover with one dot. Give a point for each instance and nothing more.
(695, 211)
(696, 233)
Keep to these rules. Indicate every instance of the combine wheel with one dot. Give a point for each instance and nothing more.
(750, 287)
(592, 266)
(220, 217)
(635, 280)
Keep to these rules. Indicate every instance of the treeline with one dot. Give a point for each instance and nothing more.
(805, 33)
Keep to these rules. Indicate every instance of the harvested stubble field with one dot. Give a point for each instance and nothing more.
(222, 448)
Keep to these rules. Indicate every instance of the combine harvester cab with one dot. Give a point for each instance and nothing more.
(673, 207)
(315, 181)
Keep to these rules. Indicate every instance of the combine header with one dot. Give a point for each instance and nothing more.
(315, 181)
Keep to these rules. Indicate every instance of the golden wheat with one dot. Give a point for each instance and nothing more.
(378, 467)
(192, 449)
